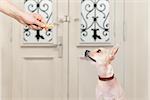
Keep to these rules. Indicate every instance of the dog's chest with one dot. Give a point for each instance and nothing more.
(105, 71)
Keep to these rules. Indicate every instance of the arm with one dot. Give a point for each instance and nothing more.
(34, 21)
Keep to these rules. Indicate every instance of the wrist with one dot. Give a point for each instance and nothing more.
(19, 13)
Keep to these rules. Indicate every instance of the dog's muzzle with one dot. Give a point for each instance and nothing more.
(87, 55)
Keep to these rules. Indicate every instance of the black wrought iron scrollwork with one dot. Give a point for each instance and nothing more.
(95, 21)
(43, 7)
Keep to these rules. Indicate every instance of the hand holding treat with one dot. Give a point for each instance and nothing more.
(32, 20)
(37, 22)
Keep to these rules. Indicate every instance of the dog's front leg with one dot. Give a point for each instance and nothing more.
(100, 97)
(99, 93)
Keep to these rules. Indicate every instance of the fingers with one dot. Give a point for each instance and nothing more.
(40, 23)
(35, 27)
(39, 20)
(37, 16)
(43, 20)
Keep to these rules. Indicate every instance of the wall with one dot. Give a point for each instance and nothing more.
(148, 37)
(5, 57)
(136, 49)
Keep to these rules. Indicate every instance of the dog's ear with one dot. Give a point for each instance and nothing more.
(113, 52)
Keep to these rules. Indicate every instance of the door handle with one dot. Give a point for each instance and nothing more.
(60, 50)
(60, 47)
(61, 20)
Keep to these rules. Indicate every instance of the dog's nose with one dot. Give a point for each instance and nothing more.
(86, 53)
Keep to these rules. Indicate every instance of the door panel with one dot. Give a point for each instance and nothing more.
(39, 67)
(87, 78)
(83, 75)
(39, 81)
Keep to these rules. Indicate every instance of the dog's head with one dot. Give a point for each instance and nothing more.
(102, 55)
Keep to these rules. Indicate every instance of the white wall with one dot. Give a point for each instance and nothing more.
(136, 53)
(148, 50)
(5, 57)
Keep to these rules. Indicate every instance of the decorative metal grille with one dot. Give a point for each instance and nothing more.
(43, 7)
(95, 21)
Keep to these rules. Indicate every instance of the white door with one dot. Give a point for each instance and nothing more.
(40, 58)
(89, 19)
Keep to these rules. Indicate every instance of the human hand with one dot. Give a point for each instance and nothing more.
(32, 20)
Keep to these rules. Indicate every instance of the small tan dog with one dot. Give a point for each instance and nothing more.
(108, 87)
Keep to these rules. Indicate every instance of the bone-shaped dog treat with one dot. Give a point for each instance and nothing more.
(49, 26)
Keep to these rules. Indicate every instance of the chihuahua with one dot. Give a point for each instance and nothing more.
(107, 87)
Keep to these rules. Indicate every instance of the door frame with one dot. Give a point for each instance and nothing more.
(148, 50)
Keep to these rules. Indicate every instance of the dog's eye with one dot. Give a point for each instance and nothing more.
(99, 50)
